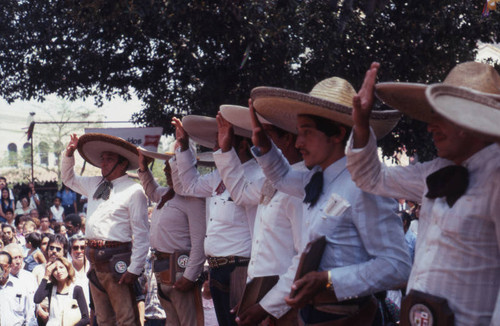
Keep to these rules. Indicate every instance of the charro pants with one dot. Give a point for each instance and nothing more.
(117, 305)
(227, 284)
(181, 308)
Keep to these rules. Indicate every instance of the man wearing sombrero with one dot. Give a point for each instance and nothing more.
(178, 228)
(457, 255)
(116, 214)
(365, 250)
(229, 226)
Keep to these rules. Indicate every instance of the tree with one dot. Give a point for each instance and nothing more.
(192, 56)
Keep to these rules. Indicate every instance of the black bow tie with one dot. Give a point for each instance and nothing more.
(103, 190)
(450, 182)
(314, 189)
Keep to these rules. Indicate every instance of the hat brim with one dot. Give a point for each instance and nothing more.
(281, 107)
(206, 159)
(239, 116)
(476, 112)
(92, 145)
(159, 156)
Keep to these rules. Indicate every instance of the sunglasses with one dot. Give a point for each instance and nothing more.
(78, 248)
(58, 249)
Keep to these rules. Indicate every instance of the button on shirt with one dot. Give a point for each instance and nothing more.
(457, 254)
(123, 216)
(178, 226)
(365, 251)
(16, 306)
(229, 226)
(277, 233)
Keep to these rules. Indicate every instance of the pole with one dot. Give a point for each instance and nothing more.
(32, 167)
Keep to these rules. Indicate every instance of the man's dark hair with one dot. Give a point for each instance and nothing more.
(3, 178)
(9, 210)
(47, 235)
(5, 253)
(74, 219)
(329, 127)
(35, 239)
(5, 225)
(61, 239)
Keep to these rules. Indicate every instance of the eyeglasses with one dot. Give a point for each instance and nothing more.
(78, 247)
(58, 249)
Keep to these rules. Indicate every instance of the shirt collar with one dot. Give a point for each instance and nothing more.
(119, 179)
(334, 169)
(480, 158)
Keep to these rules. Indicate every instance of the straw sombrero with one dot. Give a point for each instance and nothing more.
(477, 112)
(92, 145)
(330, 99)
(239, 116)
(409, 98)
(203, 130)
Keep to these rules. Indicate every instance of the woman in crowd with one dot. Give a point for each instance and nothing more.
(34, 256)
(56, 211)
(24, 209)
(7, 203)
(67, 304)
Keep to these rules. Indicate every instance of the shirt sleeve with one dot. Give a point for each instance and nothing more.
(373, 176)
(82, 304)
(139, 225)
(82, 185)
(197, 229)
(43, 291)
(243, 191)
(381, 232)
(192, 183)
(152, 189)
(175, 176)
(277, 169)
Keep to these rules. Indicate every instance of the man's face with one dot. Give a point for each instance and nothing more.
(3, 183)
(452, 143)
(27, 229)
(57, 202)
(44, 223)
(108, 162)
(70, 229)
(8, 233)
(34, 213)
(5, 269)
(316, 148)
(9, 216)
(280, 142)
(55, 250)
(78, 250)
(17, 261)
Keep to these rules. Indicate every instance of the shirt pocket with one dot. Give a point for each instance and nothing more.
(222, 210)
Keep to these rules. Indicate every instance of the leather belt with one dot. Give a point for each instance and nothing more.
(215, 262)
(99, 244)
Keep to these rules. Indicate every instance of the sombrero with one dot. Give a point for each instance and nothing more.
(410, 99)
(205, 158)
(239, 116)
(330, 99)
(92, 145)
(477, 112)
(203, 130)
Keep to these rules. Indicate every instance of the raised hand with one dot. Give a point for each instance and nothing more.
(225, 133)
(362, 107)
(72, 145)
(259, 136)
(143, 162)
(180, 134)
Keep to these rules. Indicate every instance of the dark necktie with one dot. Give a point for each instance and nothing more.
(314, 189)
(169, 195)
(103, 190)
(450, 182)
(220, 188)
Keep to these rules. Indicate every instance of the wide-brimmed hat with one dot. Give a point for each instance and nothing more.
(239, 116)
(203, 130)
(477, 112)
(204, 158)
(330, 99)
(92, 145)
(409, 98)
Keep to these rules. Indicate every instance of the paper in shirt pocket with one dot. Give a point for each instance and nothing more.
(336, 205)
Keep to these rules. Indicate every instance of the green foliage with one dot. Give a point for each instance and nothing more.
(184, 56)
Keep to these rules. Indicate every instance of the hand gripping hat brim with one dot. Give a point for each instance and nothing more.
(410, 98)
(204, 159)
(476, 112)
(92, 145)
(239, 116)
(330, 99)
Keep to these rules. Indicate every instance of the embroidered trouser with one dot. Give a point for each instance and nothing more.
(181, 308)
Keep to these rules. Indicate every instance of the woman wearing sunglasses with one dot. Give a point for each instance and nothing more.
(67, 304)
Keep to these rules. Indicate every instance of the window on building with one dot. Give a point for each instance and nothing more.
(27, 154)
(12, 154)
(58, 148)
(43, 148)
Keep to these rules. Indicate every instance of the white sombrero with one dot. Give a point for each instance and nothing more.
(410, 99)
(92, 145)
(477, 112)
(203, 130)
(204, 158)
(330, 99)
(239, 116)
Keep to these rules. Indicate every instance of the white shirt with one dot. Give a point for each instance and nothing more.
(278, 229)
(229, 226)
(457, 255)
(16, 304)
(179, 225)
(365, 250)
(122, 217)
(57, 213)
